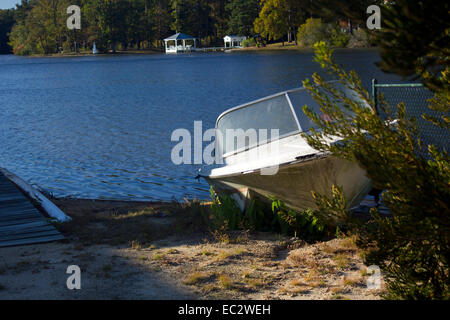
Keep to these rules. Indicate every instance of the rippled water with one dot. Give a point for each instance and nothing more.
(100, 127)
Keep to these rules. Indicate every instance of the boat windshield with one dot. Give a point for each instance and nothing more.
(240, 128)
(299, 98)
(258, 122)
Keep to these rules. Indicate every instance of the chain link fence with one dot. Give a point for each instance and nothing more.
(415, 97)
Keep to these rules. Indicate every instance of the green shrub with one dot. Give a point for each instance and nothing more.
(250, 42)
(312, 31)
(359, 39)
(339, 38)
(226, 216)
(412, 247)
(303, 224)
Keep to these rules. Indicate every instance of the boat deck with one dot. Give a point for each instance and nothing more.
(20, 221)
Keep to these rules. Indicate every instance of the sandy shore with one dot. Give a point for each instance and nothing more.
(138, 250)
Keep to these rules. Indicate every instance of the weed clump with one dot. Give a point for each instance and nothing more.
(225, 216)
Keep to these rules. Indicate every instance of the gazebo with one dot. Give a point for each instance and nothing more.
(174, 47)
(233, 41)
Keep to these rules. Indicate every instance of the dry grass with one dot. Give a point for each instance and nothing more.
(136, 245)
(255, 283)
(210, 288)
(329, 249)
(125, 222)
(224, 255)
(342, 246)
(342, 261)
(338, 293)
(313, 275)
(349, 244)
(336, 290)
(230, 254)
(352, 281)
(229, 265)
(159, 256)
(339, 297)
(225, 281)
(294, 290)
(298, 283)
(196, 278)
(303, 261)
(317, 283)
(300, 290)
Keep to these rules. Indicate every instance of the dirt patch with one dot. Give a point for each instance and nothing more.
(138, 250)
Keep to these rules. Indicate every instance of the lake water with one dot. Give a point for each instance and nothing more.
(100, 127)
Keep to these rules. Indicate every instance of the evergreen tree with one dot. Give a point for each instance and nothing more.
(241, 15)
(6, 24)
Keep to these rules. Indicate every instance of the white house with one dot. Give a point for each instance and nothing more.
(173, 44)
(233, 41)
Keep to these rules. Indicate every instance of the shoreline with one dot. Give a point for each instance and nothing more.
(293, 47)
(269, 47)
(90, 54)
(138, 250)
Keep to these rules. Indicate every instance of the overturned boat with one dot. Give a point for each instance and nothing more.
(261, 153)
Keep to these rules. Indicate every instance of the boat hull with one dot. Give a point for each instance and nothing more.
(294, 182)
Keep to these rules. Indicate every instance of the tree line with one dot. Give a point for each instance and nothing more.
(39, 26)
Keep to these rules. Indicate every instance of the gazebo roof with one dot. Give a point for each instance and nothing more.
(180, 36)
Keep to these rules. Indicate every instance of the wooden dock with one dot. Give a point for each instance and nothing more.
(209, 49)
(20, 221)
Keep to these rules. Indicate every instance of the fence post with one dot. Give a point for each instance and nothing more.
(374, 95)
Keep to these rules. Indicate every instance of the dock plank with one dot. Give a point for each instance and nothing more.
(20, 242)
(20, 222)
(33, 235)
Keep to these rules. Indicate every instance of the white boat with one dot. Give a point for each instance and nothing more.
(285, 166)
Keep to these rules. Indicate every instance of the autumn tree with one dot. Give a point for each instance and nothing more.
(280, 17)
(42, 28)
